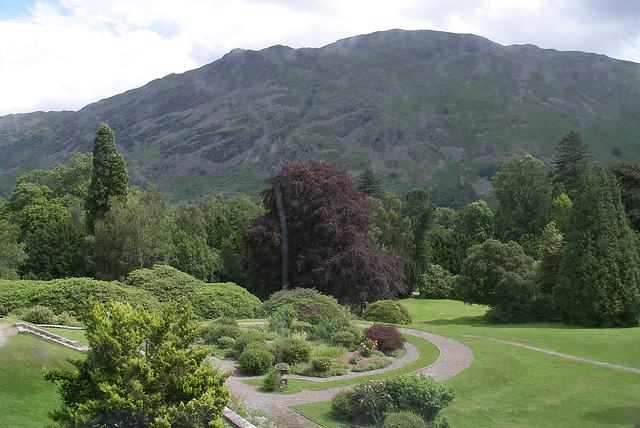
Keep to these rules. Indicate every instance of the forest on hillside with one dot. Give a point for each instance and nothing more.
(562, 243)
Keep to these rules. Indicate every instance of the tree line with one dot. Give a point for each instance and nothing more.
(562, 242)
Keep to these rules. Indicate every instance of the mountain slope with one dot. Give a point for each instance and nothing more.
(424, 109)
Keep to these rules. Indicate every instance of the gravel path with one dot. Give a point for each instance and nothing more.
(454, 357)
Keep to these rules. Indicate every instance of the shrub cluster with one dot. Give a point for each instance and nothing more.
(387, 337)
(299, 299)
(293, 351)
(211, 301)
(245, 338)
(417, 399)
(255, 360)
(70, 295)
(437, 283)
(389, 311)
(213, 333)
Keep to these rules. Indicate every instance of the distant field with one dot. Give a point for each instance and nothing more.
(509, 386)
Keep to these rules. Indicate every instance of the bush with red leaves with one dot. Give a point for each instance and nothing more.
(387, 336)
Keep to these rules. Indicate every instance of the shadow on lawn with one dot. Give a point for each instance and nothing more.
(480, 321)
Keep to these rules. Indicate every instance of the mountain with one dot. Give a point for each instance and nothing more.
(424, 109)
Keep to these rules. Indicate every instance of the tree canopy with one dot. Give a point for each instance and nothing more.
(329, 248)
(572, 162)
(524, 193)
(109, 178)
(597, 282)
(140, 371)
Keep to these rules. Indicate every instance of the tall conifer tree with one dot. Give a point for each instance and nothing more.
(597, 283)
(109, 178)
(572, 162)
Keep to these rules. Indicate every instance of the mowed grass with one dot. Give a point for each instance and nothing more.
(25, 396)
(510, 386)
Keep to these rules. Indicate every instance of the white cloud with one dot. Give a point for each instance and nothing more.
(67, 54)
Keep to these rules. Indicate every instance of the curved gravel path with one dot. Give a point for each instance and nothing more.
(454, 357)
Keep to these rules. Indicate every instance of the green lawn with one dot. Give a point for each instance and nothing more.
(509, 386)
(69, 334)
(25, 397)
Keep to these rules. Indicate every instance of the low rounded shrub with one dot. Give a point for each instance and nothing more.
(166, 283)
(389, 311)
(293, 350)
(321, 364)
(344, 338)
(211, 333)
(342, 405)
(210, 301)
(226, 342)
(387, 337)
(420, 394)
(38, 315)
(404, 419)
(299, 299)
(254, 361)
(245, 338)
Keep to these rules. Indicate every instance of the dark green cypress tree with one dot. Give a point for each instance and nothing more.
(597, 283)
(109, 178)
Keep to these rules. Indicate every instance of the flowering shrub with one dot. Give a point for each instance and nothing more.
(374, 400)
(387, 337)
(366, 347)
(293, 350)
(321, 364)
(374, 363)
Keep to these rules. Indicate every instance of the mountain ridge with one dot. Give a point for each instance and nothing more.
(422, 108)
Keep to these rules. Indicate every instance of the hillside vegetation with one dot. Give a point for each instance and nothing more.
(421, 108)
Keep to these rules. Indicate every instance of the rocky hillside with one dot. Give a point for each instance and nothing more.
(422, 108)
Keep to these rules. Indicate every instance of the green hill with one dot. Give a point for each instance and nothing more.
(422, 108)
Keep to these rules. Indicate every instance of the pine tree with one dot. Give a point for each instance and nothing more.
(369, 184)
(572, 162)
(597, 283)
(109, 178)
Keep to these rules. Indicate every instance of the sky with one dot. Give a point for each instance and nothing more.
(65, 54)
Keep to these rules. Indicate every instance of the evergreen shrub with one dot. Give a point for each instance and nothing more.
(212, 333)
(389, 311)
(293, 350)
(404, 419)
(38, 315)
(245, 338)
(254, 360)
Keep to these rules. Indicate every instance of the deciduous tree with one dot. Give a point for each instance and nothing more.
(329, 249)
(524, 193)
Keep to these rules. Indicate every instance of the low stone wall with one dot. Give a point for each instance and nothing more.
(43, 334)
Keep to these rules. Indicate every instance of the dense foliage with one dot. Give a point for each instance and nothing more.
(389, 311)
(600, 267)
(327, 246)
(140, 371)
(374, 401)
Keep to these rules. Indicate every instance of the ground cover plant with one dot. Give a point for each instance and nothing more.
(521, 386)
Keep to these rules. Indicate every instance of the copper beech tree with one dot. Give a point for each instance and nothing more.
(327, 245)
